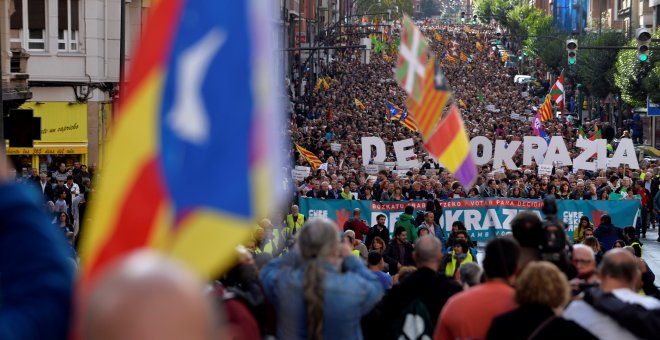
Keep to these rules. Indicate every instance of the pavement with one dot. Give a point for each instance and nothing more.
(651, 252)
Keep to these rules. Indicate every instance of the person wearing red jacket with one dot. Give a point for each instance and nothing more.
(358, 226)
(645, 204)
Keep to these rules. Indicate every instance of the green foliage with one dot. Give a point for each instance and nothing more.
(382, 6)
(596, 67)
(494, 9)
(546, 42)
(636, 79)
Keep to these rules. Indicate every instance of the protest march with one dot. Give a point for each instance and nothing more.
(402, 185)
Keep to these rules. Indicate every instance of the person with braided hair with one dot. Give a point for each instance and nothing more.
(320, 291)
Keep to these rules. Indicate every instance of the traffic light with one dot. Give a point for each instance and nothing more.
(474, 19)
(462, 16)
(520, 55)
(571, 48)
(643, 41)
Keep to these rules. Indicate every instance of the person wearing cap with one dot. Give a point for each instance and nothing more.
(358, 226)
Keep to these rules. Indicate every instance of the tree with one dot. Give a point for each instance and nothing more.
(596, 67)
(635, 79)
(429, 8)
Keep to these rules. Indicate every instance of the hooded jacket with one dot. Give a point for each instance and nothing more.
(406, 221)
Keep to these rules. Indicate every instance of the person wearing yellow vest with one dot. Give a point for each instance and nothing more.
(456, 258)
(359, 249)
(273, 242)
(264, 244)
(294, 221)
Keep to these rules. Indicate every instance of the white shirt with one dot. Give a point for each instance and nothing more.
(601, 325)
(75, 189)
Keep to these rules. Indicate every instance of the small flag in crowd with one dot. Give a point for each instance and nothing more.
(435, 95)
(481, 97)
(188, 79)
(479, 46)
(461, 103)
(412, 59)
(393, 112)
(450, 145)
(546, 109)
(314, 161)
(505, 56)
(464, 57)
(557, 93)
(450, 58)
(595, 136)
(447, 140)
(537, 126)
(359, 104)
(438, 37)
(386, 57)
(408, 121)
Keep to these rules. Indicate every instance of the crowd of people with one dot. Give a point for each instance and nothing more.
(301, 277)
(483, 87)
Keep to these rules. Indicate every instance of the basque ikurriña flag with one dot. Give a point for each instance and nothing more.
(194, 139)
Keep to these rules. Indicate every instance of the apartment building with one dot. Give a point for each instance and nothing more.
(68, 54)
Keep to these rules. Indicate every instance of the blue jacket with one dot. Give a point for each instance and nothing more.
(36, 275)
(607, 234)
(348, 297)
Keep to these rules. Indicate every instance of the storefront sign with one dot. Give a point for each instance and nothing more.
(61, 122)
(47, 150)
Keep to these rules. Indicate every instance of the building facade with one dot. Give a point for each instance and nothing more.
(70, 57)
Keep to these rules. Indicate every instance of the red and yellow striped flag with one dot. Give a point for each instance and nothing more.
(546, 109)
(451, 59)
(428, 112)
(464, 57)
(172, 114)
(314, 161)
(410, 123)
(359, 104)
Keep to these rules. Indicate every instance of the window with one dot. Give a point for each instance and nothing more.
(67, 25)
(27, 24)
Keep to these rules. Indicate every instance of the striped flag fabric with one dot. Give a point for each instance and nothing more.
(538, 128)
(557, 92)
(450, 58)
(435, 95)
(393, 112)
(596, 135)
(479, 46)
(359, 104)
(413, 50)
(464, 57)
(311, 158)
(190, 77)
(437, 35)
(581, 134)
(546, 109)
(450, 145)
(408, 121)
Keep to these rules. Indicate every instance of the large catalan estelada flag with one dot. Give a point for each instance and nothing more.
(194, 139)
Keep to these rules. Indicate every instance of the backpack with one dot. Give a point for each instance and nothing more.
(414, 323)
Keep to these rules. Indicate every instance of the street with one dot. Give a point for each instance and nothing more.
(651, 253)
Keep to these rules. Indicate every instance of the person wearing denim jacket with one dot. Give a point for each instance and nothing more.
(311, 295)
